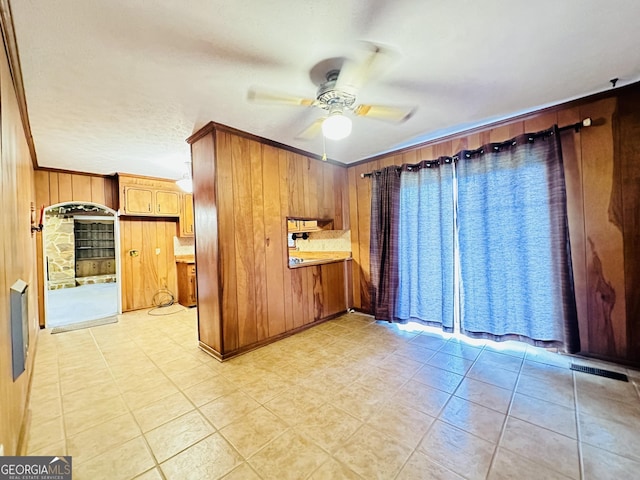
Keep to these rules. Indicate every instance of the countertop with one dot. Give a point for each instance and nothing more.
(185, 259)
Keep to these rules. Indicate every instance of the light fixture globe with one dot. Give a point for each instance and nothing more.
(336, 126)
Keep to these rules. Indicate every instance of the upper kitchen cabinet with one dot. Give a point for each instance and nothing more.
(151, 197)
(185, 228)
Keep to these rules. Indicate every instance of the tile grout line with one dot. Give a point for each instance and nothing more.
(506, 417)
(130, 411)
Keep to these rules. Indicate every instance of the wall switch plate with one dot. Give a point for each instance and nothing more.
(1, 450)
(157, 251)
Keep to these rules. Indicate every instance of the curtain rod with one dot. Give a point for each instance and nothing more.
(576, 126)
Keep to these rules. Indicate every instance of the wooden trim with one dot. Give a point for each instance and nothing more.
(74, 172)
(13, 56)
(254, 346)
(492, 125)
(212, 126)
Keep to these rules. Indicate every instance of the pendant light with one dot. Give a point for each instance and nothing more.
(336, 126)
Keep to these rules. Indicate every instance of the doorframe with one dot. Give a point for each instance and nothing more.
(116, 238)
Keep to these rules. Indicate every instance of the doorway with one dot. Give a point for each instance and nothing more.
(81, 263)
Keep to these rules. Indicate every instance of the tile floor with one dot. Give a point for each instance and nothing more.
(347, 399)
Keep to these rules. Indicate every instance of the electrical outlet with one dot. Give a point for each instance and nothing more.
(157, 251)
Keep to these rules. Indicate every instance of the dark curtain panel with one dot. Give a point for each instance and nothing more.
(426, 242)
(385, 199)
(516, 280)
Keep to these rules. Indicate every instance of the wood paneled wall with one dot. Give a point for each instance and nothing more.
(141, 276)
(17, 257)
(144, 275)
(53, 187)
(602, 171)
(243, 191)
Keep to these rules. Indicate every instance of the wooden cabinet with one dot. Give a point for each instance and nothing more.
(186, 216)
(187, 290)
(148, 197)
(302, 225)
(89, 268)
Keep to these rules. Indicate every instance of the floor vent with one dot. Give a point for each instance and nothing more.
(598, 371)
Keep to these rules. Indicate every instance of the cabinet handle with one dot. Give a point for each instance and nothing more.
(149, 208)
(158, 208)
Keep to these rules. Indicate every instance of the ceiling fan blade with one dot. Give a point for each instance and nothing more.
(385, 112)
(266, 96)
(312, 130)
(354, 73)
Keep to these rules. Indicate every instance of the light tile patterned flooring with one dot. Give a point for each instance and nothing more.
(347, 399)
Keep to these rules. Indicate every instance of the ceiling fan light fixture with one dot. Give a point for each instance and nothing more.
(336, 126)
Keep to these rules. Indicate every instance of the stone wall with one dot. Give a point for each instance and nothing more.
(60, 252)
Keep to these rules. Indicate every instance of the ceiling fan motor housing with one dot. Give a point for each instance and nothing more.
(332, 98)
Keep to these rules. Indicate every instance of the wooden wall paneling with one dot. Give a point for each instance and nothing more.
(333, 298)
(41, 179)
(161, 257)
(137, 280)
(259, 235)
(363, 189)
(572, 159)
(410, 156)
(354, 219)
(500, 134)
(474, 141)
(65, 188)
(97, 190)
(459, 144)
(203, 153)
(426, 153)
(318, 299)
(243, 228)
(311, 187)
(111, 195)
(306, 186)
(443, 149)
(327, 205)
(517, 128)
(126, 266)
(604, 238)
(17, 257)
(81, 188)
(298, 304)
(307, 287)
(273, 224)
(150, 279)
(284, 159)
(295, 182)
(54, 189)
(169, 257)
(627, 168)
(226, 232)
(541, 121)
(339, 198)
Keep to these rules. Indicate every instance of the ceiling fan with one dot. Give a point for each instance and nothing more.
(339, 83)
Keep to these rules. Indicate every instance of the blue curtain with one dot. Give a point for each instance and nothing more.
(425, 244)
(513, 237)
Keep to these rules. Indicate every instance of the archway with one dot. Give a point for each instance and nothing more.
(81, 257)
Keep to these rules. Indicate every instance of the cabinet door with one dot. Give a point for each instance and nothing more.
(308, 225)
(138, 200)
(192, 286)
(186, 216)
(293, 226)
(167, 203)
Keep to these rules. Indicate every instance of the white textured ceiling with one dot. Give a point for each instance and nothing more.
(118, 85)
